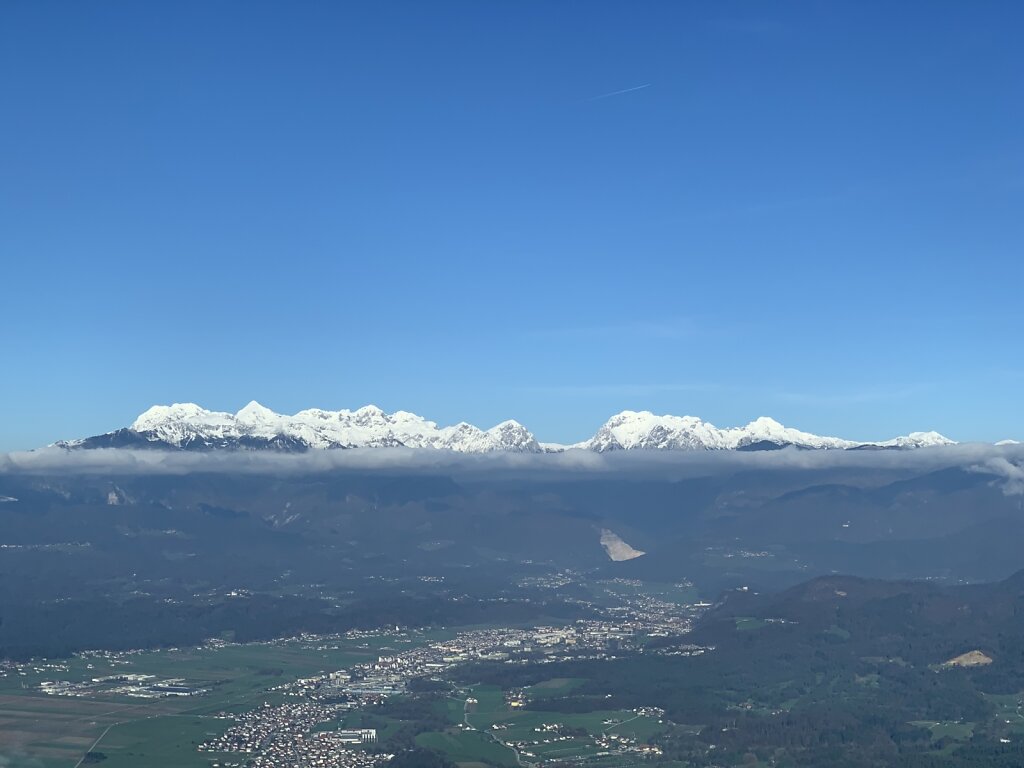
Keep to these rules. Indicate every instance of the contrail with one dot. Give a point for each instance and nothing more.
(617, 93)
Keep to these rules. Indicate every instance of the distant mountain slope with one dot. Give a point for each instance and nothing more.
(920, 622)
(188, 426)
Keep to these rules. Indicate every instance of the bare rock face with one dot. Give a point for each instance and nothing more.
(616, 549)
(970, 659)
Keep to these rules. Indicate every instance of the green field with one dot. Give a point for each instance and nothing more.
(235, 673)
(467, 747)
(557, 686)
(521, 725)
(38, 731)
(1009, 711)
(747, 623)
(162, 742)
(43, 731)
(947, 729)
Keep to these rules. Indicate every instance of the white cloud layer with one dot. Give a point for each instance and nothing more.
(1002, 461)
(1012, 473)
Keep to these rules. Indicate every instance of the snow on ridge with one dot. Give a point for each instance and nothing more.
(187, 425)
(915, 440)
(182, 424)
(632, 430)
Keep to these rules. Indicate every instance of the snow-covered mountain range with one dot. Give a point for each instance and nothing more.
(186, 426)
(632, 429)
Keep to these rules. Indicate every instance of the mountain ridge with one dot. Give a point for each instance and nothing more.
(187, 426)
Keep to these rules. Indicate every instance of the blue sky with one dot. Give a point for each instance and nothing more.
(812, 211)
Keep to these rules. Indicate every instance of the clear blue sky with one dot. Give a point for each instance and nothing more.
(813, 211)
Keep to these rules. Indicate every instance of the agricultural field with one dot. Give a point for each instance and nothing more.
(40, 730)
(747, 623)
(467, 747)
(104, 706)
(162, 742)
(1008, 722)
(481, 731)
(558, 686)
(947, 735)
(1009, 711)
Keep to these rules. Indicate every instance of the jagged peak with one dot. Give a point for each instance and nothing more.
(931, 435)
(158, 414)
(507, 424)
(765, 422)
(371, 409)
(254, 409)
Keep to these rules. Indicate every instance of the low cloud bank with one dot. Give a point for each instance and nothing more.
(1005, 462)
(1002, 466)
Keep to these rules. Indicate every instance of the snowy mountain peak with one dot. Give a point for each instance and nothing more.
(370, 411)
(507, 424)
(512, 436)
(255, 407)
(189, 426)
(765, 423)
(254, 413)
(160, 415)
(630, 430)
(915, 440)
